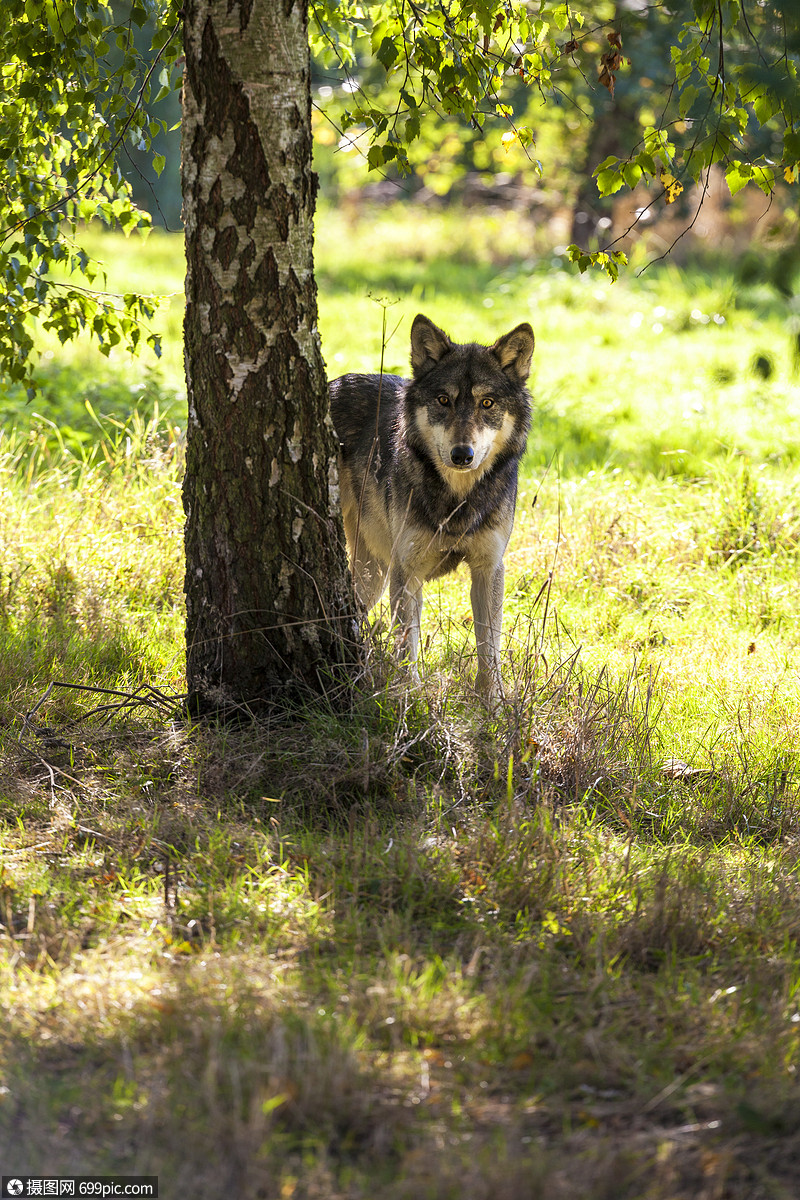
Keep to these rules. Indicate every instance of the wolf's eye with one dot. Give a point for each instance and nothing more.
(443, 400)
(487, 401)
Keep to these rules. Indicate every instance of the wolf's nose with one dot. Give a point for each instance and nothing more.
(461, 456)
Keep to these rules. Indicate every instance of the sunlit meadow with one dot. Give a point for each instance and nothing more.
(409, 950)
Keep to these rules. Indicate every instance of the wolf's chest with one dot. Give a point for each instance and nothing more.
(428, 553)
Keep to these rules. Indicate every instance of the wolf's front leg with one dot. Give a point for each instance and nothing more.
(405, 597)
(486, 595)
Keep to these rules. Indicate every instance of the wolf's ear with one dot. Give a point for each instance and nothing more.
(428, 344)
(514, 352)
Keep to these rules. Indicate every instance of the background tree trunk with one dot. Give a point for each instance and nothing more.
(268, 596)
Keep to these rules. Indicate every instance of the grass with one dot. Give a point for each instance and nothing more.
(407, 950)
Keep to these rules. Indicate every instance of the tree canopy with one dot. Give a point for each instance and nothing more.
(77, 95)
(727, 76)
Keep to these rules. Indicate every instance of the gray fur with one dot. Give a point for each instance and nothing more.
(428, 473)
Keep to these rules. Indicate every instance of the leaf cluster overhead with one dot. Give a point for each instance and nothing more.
(74, 97)
(731, 99)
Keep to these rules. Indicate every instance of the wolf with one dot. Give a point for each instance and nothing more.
(428, 478)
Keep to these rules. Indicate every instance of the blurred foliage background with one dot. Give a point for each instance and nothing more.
(551, 181)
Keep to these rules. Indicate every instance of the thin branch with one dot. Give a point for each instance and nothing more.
(144, 696)
(683, 232)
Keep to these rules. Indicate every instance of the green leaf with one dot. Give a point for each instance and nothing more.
(791, 146)
(387, 53)
(609, 182)
(631, 173)
(687, 98)
(737, 176)
(160, 38)
(765, 105)
(412, 129)
(561, 17)
(579, 256)
(764, 177)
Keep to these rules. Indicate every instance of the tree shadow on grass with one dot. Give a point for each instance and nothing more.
(246, 999)
(223, 1074)
(202, 1073)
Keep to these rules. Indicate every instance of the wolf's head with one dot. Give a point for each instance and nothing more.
(467, 408)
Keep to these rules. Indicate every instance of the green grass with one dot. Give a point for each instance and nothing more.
(409, 951)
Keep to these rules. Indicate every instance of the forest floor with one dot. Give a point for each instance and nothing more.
(408, 950)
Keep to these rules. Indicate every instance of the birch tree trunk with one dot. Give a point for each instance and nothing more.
(268, 597)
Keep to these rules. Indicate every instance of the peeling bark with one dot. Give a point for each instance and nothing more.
(268, 597)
